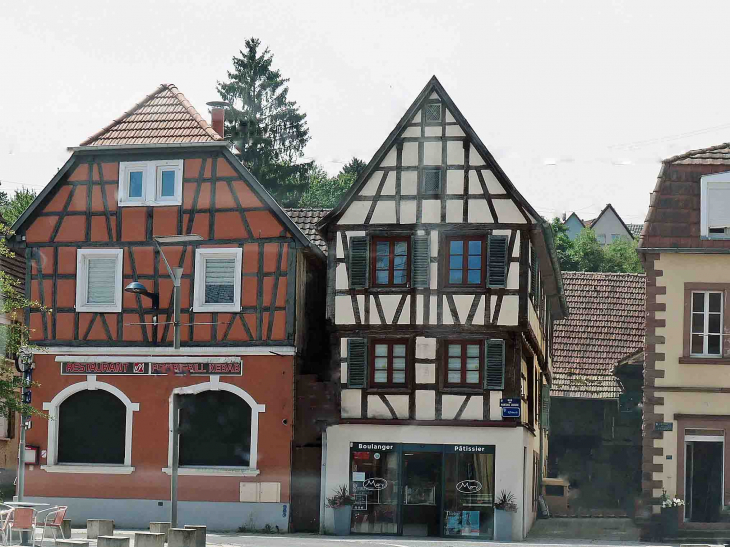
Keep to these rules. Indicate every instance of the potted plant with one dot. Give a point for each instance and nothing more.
(341, 504)
(505, 507)
(671, 508)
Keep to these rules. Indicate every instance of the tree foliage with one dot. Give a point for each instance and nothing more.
(325, 191)
(267, 128)
(12, 208)
(354, 167)
(586, 254)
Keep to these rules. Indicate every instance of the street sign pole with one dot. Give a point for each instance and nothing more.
(21, 456)
(175, 458)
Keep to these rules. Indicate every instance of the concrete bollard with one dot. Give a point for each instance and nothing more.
(112, 541)
(200, 533)
(66, 528)
(72, 543)
(181, 537)
(160, 528)
(99, 527)
(149, 539)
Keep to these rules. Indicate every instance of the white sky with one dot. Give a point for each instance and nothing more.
(577, 100)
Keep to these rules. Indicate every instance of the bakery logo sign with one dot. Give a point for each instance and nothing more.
(468, 487)
(233, 368)
(375, 483)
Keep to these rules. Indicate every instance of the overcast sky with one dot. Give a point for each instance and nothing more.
(577, 100)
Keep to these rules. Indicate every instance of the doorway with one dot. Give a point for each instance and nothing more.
(704, 462)
(421, 493)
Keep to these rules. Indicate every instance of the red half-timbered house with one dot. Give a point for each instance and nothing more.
(106, 363)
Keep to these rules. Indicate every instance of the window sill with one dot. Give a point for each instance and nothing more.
(98, 309)
(385, 390)
(175, 203)
(216, 309)
(458, 390)
(92, 469)
(214, 471)
(704, 360)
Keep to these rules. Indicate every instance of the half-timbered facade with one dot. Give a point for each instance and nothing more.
(442, 287)
(107, 366)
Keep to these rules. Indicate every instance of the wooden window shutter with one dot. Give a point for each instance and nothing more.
(533, 273)
(358, 262)
(494, 377)
(497, 260)
(545, 407)
(357, 364)
(421, 261)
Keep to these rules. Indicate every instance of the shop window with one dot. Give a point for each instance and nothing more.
(99, 280)
(91, 429)
(465, 260)
(215, 430)
(375, 485)
(391, 261)
(150, 183)
(469, 493)
(218, 280)
(389, 363)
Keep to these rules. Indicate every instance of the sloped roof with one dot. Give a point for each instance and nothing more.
(307, 218)
(715, 155)
(606, 323)
(164, 116)
(635, 229)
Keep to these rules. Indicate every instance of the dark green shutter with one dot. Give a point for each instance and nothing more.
(421, 261)
(494, 377)
(533, 274)
(545, 407)
(357, 364)
(497, 261)
(358, 262)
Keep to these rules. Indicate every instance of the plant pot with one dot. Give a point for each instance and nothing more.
(343, 517)
(670, 522)
(503, 525)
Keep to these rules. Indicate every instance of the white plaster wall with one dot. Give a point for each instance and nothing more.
(371, 186)
(479, 315)
(508, 311)
(408, 183)
(344, 314)
(513, 276)
(410, 153)
(351, 403)
(449, 116)
(425, 405)
(454, 182)
(516, 250)
(463, 305)
(419, 309)
(479, 212)
(407, 212)
(355, 213)
(474, 157)
(454, 131)
(431, 211)
(475, 187)
(399, 404)
(450, 405)
(432, 153)
(495, 412)
(433, 305)
(509, 448)
(384, 212)
(455, 211)
(425, 373)
(433, 279)
(389, 302)
(412, 132)
(474, 409)
(493, 185)
(377, 408)
(425, 348)
(507, 211)
(341, 281)
(534, 322)
(389, 186)
(417, 118)
(455, 152)
(389, 159)
(608, 225)
(405, 316)
(432, 131)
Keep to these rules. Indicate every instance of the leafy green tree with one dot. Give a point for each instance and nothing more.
(563, 246)
(588, 252)
(621, 256)
(325, 191)
(354, 167)
(12, 208)
(267, 128)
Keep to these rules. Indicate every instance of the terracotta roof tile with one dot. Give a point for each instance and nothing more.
(163, 117)
(307, 218)
(605, 324)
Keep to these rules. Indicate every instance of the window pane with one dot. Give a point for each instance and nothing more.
(698, 322)
(455, 262)
(381, 376)
(399, 262)
(381, 363)
(472, 363)
(713, 345)
(383, 248)
(697, 344)
(399, 350)
(167, 187)
(381, 263)
(454, 377)
(456, 247)
(455, 276)
(475, 276)
(454, 350)
(219, 280)
(399, 363)
(475, 262)
(454, 363)
(101, 280)
(715, 302)
(381, 349)
(399, 377)
(401, 248)
(472, 350)
(135, 184)
(698, 301)
(381, 277)
(472, 377)
(714, 325)
(399, 277)
(475, 247)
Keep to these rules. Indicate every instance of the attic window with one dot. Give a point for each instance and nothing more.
(150, 183)
(433, 112)
(715, 205)
(431, 181)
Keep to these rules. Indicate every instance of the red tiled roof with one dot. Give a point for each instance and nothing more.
(307, 218)
(163, 117)
(605, 324)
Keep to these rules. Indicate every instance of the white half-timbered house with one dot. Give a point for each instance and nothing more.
(442, 287)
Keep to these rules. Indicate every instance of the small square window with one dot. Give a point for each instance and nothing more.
(217, 280)
(150, 183)
(389, 359)
(433, 112)
(432, 181)
(99, 280)
(464, 363)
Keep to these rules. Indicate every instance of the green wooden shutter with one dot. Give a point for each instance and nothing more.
(497, 261)
(533, 274)
(358, 262)
(357, 363)
(494, 377)
(545, 407)
(421, 261)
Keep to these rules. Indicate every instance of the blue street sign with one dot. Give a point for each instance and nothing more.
(513, 402)
(510, 412)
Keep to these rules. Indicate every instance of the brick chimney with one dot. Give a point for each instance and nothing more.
(218, 115)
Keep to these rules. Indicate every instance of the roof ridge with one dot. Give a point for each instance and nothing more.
(690, 153)
(605, 273)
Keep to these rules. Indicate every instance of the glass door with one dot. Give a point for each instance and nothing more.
(421, 492)
(469, 492)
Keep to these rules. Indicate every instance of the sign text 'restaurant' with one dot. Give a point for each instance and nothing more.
(142, 368)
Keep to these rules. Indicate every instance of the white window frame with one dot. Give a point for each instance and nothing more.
(82, 278)
(201, 255)
(151, 183)
(706, 322)
(219, 471)
(53, 407)
(704, 219)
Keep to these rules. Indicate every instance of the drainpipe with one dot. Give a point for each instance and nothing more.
(323, 483)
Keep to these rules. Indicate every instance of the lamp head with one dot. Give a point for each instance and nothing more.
(135, 287)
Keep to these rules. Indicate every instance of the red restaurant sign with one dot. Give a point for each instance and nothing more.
(143, 368)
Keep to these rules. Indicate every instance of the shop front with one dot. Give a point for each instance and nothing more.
(422, 489)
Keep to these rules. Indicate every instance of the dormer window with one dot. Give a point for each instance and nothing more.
(715, 206)
(150, 183)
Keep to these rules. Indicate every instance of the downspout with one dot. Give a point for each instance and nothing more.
(322, 483)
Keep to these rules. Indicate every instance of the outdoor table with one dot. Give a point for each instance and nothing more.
(25, 536)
